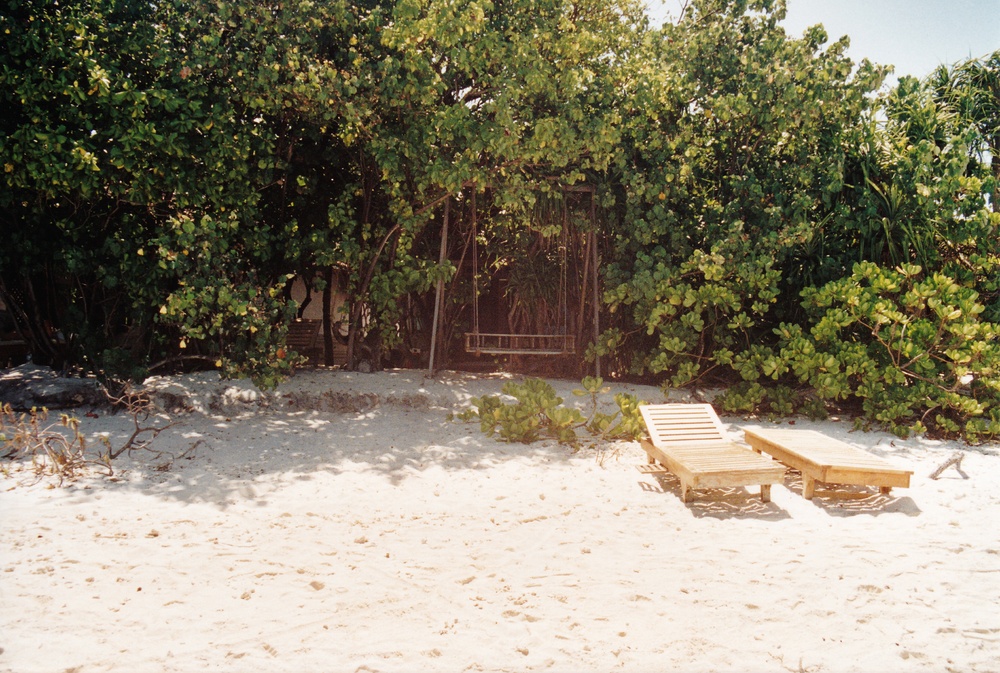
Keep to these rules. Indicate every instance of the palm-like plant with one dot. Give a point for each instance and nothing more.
(532, 291)
(973, 88)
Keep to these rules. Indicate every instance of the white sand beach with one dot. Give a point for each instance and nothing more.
(343, 523)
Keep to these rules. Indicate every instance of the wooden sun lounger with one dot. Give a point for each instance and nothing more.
(689, 440)
(824, 459)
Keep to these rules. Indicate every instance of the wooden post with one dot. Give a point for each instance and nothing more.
(597, 298)
(440, 287)
(328, 317)
(808, 487)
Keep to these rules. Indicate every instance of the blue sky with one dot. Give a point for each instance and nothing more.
(914, 35)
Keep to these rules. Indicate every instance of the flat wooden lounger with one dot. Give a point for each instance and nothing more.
(824, 459)
(689, 440)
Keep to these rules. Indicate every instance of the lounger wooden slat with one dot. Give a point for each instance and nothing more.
(823, 459)
(690, 441)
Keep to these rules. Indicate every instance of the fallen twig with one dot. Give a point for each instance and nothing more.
(956, 460)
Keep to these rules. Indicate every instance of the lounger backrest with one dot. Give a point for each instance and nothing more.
(678, 424)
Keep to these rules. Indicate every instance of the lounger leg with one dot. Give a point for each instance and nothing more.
(808, 487)
(685, 492)
(765, 493)
(885, 490)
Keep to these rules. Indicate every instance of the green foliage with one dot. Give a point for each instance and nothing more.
(735, 145)
(502, 101)
(758, 170)
(626, 423)
(921, 200)
(909, 345)
(742, 398)
(539, 413)
(140, 157)
(241, 322)
(773, 401)
(168, 168)
(118, 364)
(972, 89)
(536, 413)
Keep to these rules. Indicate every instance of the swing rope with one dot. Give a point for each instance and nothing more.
(563, 263)
(523, 344)
(475, 275)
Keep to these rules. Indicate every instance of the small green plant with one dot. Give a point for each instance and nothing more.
(626, 423)
(538, 413)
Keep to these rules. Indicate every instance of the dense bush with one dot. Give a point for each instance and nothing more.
(910, 346)
(739, 139)
(168, 168)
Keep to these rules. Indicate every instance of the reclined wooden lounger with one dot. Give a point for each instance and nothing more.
(689, 440)
(823, 459)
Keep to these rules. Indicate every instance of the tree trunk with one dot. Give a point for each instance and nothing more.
(327, 318)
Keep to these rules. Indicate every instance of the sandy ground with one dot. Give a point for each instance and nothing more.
(345, 524)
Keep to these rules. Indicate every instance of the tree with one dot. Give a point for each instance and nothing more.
(973, 87)
(506, 99)
(139, 143)
(736, 139)
(908, 335)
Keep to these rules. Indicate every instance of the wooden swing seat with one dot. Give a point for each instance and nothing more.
(519, 344)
